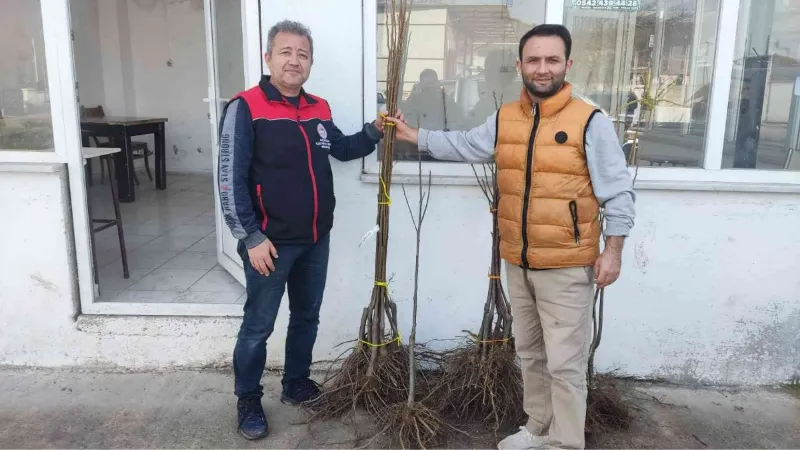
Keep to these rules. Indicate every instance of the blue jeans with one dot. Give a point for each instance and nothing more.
(304, 269)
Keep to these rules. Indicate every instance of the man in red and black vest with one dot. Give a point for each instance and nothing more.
(276, 191)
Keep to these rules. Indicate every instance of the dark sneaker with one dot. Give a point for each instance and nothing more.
(301, 391)
(252, 422)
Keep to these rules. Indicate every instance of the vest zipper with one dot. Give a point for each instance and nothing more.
(528, 180)
(310, 171)
(573, 210)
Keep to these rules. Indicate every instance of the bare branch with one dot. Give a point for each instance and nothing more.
(427, 200)
(481, 183)
(408, 204)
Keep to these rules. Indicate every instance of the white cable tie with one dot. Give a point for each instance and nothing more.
(369, 234)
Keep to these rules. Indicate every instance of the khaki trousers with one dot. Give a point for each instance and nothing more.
(552, 330)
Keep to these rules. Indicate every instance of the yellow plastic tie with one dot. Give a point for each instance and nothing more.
(494, 277)
(492, 210)
(382, 284)
(388, 201)
(386, 123)
(398, 339)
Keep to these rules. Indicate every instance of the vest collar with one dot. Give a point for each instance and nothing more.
(549, 106)
(274, 95)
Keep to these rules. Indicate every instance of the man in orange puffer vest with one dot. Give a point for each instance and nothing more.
(559, 161)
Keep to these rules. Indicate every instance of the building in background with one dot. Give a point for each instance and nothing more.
(709, 287)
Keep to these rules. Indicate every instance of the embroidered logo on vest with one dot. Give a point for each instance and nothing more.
(561, 137)
(323, 137)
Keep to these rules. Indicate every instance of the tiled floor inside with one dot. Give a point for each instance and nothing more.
(171, 241)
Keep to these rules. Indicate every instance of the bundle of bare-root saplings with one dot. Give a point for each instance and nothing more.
(374, 376)
(482, 382)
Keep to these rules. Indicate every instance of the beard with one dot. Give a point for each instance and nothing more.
(547, 91)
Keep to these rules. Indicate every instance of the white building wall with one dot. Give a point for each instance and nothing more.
(709, 288)
(87, 47)
(170, 80)
(115, 57)
(38, 293)
(37, 288)
(148, 58)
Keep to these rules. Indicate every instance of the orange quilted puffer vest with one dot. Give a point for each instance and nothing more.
(548, 215)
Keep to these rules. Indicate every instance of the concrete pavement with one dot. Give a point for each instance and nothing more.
(196, 409)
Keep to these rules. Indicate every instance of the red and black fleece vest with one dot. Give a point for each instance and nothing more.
(289, 176)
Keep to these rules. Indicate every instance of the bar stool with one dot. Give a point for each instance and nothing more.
(106, 154)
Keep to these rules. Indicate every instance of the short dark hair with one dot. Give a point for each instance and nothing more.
(548, 30)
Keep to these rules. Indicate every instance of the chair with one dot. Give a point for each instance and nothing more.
(107, 156)
(139, 150)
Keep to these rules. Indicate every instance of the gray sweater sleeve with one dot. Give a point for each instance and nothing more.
(472, 146)
(611, 181)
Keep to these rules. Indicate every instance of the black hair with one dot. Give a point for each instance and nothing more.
(548, 30)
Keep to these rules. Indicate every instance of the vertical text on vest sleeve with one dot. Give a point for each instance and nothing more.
(235, 153)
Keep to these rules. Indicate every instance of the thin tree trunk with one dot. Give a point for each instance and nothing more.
(412, 369)
(422, 208)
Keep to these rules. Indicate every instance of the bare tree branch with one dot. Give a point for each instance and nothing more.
(408, 204)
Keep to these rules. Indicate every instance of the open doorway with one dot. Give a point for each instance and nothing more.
(143, 88)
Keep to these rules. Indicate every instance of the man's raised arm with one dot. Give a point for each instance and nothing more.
(472, 146)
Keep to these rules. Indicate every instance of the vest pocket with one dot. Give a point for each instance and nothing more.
(263, 211)
(573, 211)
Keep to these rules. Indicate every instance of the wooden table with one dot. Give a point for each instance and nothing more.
(120, 130)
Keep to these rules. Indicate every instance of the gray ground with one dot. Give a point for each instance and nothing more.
(196, 409)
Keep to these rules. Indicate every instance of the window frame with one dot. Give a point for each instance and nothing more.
(709, 177)
(60, 63)
(370, 165)
(67, 142)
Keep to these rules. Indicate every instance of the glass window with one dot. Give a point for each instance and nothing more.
(461, 62)
(25, 122)
(648, 64)
(763, 127)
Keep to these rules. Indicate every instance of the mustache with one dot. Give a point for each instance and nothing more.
(544, 91)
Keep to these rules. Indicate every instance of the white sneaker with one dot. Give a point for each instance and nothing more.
(523, 440)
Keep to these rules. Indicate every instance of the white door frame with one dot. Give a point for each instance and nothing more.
(56, 22)
(251, 35)
(210, 13)
(60, 62)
